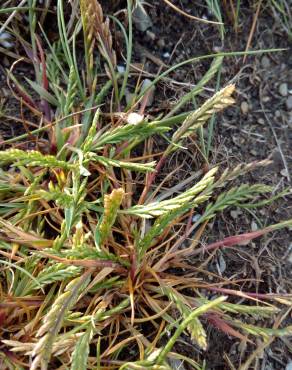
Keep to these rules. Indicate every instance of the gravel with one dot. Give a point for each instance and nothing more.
(289, 103)
(283, 89)
(244, 107)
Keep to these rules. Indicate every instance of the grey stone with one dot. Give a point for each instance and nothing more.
(265, 62)
(235, 213)
(277, 114)
(141, 19)
(244, 107)
(289, 102)
(145, 84)
(266, 99)
(151, 35)
(161, 43)
(284, 172)
(254, 226)
(283, 89)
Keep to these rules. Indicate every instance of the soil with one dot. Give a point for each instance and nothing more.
(257, 127)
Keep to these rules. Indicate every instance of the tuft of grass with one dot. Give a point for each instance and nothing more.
(281, 11)
(96, 273)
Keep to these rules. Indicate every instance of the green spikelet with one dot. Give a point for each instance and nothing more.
(216, 103)
(55, 272)
(234, 196)
(217, 62)
(265, 333)
(188, 197)
(81, 351)
(195, 328)
(32, 158)
(199, 117)
(53, 322)
(87, 16)
(141, 167)
(71, 91)
(112, 203)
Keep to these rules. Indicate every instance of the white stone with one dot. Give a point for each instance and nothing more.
(134, 118)
(244, 107)
(283, 89)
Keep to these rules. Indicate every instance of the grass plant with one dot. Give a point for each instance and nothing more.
(96, 273)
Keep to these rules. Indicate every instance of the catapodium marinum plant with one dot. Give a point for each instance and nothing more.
(96, 272)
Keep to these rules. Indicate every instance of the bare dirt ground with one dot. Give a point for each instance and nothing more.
(258, 127)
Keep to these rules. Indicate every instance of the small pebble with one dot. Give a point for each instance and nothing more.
(134, 118)
(166, 55)
(238, 141)
(254, 226)
(222, 264)
(7, 44)
(261, 121)
(244, 107)
(289, 102)
(161, 43)
(284, 172)
(151, 35)
(141, 18)
(145, 84)
(266, 99)
(5, 40)
(265, 62)
(217, 49)
(196, 217)
(121, 69)
(283, 89)
(235, 213)
(277, 114)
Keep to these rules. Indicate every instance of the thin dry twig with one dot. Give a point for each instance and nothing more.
(251, 33)
(189, 15)
(9, 19)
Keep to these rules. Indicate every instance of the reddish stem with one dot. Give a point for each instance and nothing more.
(241, 239)
(151, 177)
(133, 270)
(45, 81)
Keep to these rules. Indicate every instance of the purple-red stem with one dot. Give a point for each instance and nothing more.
(151, 178)
(45, 81)
(232, 240)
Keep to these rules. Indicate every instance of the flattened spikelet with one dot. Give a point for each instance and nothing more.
(99, 28)
(199, 117)
(112, 203)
